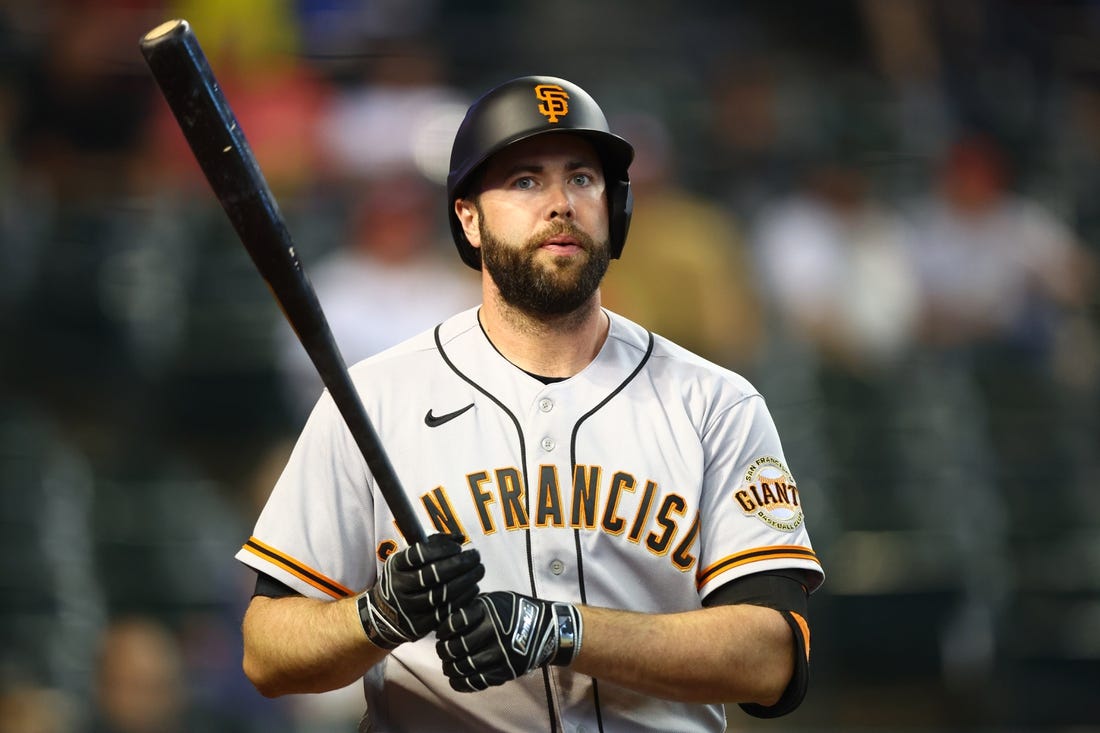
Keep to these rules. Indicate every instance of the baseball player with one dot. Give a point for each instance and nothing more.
(618, 543)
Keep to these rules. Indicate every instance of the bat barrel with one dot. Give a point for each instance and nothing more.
(166, 29)
(216, 139)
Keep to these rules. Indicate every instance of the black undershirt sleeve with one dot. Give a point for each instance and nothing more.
(784, 591)
(271, 588)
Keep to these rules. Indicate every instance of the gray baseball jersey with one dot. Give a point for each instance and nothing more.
(644, 482)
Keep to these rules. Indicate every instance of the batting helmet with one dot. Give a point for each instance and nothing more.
(523, 108)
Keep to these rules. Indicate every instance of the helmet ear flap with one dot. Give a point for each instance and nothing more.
(620, 201)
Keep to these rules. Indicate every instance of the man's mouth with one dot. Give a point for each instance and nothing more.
(562, 244)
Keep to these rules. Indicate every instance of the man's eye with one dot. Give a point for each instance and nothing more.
(524, 183)
(582, 179)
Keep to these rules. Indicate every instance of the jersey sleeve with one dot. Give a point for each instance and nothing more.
(752, 517)
(315, 533)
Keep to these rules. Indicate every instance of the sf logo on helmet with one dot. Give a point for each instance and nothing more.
(554, 101)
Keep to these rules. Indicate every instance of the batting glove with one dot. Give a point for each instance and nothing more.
(418, 588)
(503, 635)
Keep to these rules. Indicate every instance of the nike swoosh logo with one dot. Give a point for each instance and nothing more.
(434, 422)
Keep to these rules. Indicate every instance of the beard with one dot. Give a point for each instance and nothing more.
(553, 288)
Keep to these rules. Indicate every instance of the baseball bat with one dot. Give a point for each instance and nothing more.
(188, 84)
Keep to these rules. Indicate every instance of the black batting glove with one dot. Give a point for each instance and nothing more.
(418, 588)
(503, 635)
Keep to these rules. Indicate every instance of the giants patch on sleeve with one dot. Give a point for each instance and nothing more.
(769, 493)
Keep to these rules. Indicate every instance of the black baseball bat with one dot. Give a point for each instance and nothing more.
(185, 78)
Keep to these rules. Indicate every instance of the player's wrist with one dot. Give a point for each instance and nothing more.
(570, 631)
(378, 629)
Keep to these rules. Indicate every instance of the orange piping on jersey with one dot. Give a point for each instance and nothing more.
(778, 552)
(805, 627)
(297, 569)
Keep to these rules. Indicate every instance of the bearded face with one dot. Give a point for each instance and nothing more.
(537, 282)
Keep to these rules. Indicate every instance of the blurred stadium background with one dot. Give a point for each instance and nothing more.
(886, 213)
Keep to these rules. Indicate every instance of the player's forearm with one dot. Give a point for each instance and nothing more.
(296, 644)
(723, 654)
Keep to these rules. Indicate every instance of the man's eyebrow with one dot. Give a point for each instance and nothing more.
(525, 167)
(575, 164)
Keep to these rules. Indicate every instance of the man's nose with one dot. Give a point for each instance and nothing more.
(560, 205)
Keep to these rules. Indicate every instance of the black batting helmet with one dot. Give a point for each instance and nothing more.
(523, 108)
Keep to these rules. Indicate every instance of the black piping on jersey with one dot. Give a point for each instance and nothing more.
(573, 451)
(577, 532)
(527, 494)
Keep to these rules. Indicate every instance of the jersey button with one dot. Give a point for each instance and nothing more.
(557, 567)
(548, 444)
(546, 404)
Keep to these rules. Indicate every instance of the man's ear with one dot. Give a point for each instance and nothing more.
(469, 218)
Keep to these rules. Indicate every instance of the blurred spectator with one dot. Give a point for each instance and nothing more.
(996, 267)
(395, 114)
(392, 280)
(905, 49)
(85, 96)
(1003, 278)
(142, 686)
(684, 273)
(835, 264)
(386, 142)
(754, 122)
(28, 709)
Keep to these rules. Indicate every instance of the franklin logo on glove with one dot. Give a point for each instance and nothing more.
(528, 615)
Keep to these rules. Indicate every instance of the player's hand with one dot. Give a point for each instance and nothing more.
(503, 635)
(418, 588)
